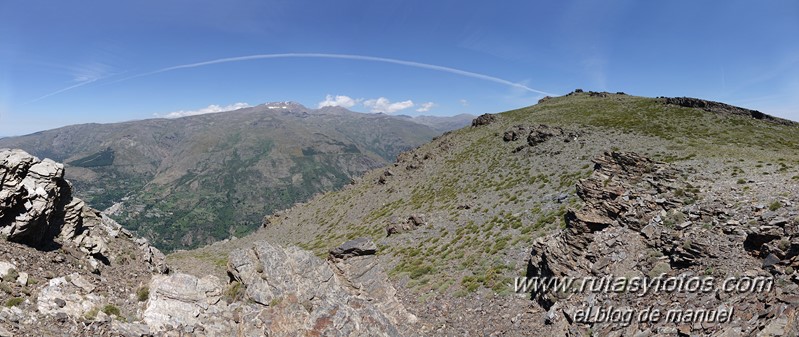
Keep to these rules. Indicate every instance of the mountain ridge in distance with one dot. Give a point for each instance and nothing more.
(162, 176)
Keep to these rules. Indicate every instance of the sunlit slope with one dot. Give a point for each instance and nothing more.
(482, 200)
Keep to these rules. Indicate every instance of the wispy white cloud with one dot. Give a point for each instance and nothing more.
(464, 102)
(425, 107)
(339, 100)
(213, 108)
(92, 71)
(382, 104)
(82, 75)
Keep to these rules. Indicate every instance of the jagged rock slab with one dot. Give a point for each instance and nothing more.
(355, 247)
(181, 299)
(633, 224)
(306, 295)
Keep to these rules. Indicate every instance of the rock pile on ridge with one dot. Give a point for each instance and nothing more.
(718, 107)
(640, 219)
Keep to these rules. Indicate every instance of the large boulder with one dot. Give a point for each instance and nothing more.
(305, 295)
(484, 119)
(71, 295)
(181, 300)
(31, 191)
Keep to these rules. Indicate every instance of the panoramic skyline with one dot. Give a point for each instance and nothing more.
(67, 63)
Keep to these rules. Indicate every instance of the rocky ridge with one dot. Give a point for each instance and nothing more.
(278, 291)
(718, 107)
(640, 219)
(69, 271)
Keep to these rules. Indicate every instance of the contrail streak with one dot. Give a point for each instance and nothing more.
(347, 57)
(65, 89)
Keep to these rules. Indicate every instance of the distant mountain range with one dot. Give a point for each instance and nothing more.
(190, 181)
(442, 124)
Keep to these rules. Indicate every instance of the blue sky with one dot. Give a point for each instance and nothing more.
(64, 62)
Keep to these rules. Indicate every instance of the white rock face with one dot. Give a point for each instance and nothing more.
(5, 268)
(69, 295)
(280, 292)
(180, 299)
(36, 205)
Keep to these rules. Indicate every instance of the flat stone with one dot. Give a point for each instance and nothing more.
(648, 231)
(356, 247)
(81, 282)
(129, 329)
(770, 260)
(778, 222)
(790, 299)
(47, 168)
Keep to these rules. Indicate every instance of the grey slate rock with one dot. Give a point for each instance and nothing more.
(355, 247)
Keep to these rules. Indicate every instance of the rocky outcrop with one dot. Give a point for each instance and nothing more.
(484, 119)
(272, 291)
(299, 293)
(182, 300)
(69, 295)
(37, 209)
(718, 107)
(356, 247)
(411, 160)
(384, 177)
(640, 220)
(31, 192)
(412, 222)
(155, 259)
(538, 134)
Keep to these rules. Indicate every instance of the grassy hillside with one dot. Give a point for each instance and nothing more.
(191, 181)
(485, 200)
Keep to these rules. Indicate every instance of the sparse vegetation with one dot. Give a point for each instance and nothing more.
(143, 293)
(234, 292)
(14, 301)
(11, 276)
(91, 314)
(111, 310)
